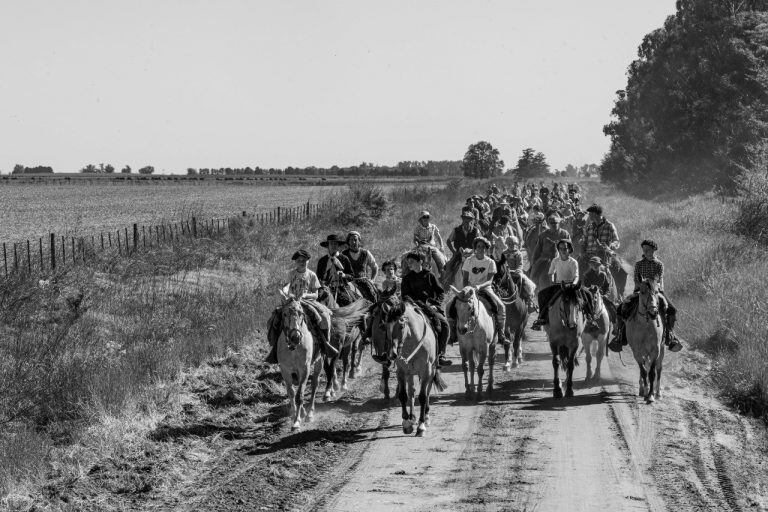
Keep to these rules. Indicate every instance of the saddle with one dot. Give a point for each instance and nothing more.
(430, 314)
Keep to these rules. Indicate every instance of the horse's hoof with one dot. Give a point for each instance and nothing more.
(569, 392)
(296, 426)
(489, 389)
(345, 387)
(427, 421)
(421, 430)
(506, 367)
(407, 427)
(658, 395)
(386, 396)
(650, 399)
(557, 392)
(310, 417)
(383, 387)
(479, 395)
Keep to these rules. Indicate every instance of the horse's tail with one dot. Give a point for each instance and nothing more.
(438, 381)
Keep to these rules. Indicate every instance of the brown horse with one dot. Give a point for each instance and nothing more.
(645, 331)
(516, 319)
(566, 324)
(347, 326)
(596, 332)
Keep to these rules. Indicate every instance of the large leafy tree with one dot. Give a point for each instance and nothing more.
(482, 161)
(531, 164)
(694, 114)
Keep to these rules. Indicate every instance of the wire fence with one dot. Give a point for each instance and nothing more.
(53, 252)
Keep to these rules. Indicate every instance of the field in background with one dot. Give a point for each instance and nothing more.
(32, 210)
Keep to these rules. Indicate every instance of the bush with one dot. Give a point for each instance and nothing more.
(361, 205)
(752, 215)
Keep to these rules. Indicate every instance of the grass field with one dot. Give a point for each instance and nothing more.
(30, 211)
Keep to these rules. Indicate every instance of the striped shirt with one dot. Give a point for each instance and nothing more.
(649, 269)
(427, 235)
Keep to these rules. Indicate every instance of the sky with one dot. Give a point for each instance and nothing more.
(225, 83)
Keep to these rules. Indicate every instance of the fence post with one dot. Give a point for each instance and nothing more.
(29, 258)
(127, 249)
(119, 245)
(41, 253)
(63, 251)
(144, 236)
(135, 236)
(307, 214)
(53, 252)
(278, 215)
(74, 252)
(5, 259)
(15, 258)
(194, 227)
(102, 240)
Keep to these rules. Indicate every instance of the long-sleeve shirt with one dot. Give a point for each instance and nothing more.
(649, 269)
(422, 287)
(327, 268)
(428, 235)
(599, 279)
(546, 247)
(605, 233)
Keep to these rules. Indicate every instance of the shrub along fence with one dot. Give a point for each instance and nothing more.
(54, 252)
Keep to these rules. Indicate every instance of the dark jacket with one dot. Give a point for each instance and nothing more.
(342, 263)
(422, 287)
(599, 279)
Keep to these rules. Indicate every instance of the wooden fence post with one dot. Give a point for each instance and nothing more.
(41, 253)
(119, 245)
(63, 251)
(74, 252)
(278, 215)
(144, 236)
(53, 252)
(5, 259)
(29, 258)
(127, 249)
(194, 227)
(135, 236)
(102, 240)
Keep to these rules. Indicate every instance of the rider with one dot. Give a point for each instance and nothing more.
(563, 270)
(427, 233)
(422, 287)
(464, 235)
(595, 276)
(302, 284)
(391, 282)
(361, 259)
(478, 271)
(548, 239)
(649, 267)
(335, 270)
(512, 258)
(601, 240)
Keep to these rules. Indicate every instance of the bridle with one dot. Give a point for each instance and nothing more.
(472, 306)
(289, 332)
(399, 347)
(650, 308)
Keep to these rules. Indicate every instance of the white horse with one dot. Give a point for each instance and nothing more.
(645, 331)
(295, 357)
(595, 337)
(477, 339)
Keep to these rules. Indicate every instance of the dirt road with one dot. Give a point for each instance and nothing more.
(520, 449)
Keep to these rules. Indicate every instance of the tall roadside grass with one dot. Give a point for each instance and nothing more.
(716, 276)
(91, 360)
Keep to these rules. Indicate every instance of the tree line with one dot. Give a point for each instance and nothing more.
(694, 113)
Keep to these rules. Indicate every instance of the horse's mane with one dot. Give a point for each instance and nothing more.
(571, 294)
(353, 315)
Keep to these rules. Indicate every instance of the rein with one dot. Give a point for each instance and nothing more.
(407, 360)
(473, 312)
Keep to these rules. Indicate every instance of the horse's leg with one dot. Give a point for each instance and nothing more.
(481, 357)
(557, 391)
(472, 362)
(465, 369)
(299, 398)
(411, 399)
(569, 373)
(658, 378)
(491, 362)
(601, 346)
(518, 339)
(652, 378)
(315, 379)
(345, 352)
(384, 384)
(587, 340)
(330, 376)
(507, 346)
(353, 352)
(424, 379)
(402, 394)
(288, 379)
(643, 380)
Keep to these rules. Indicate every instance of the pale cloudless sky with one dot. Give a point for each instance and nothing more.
(188, 83)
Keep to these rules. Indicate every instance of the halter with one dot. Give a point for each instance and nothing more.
(400, 357)
(649, 316)
(473, 316)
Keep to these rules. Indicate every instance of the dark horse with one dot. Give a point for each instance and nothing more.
(517, 317)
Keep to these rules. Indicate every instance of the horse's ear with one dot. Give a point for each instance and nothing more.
(454, 289)
(284, 293)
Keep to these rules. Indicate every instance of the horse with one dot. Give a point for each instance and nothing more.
(452, 277)
(477, 340)
(296, 359)
(380, 342)
(516, 319)
(596, 331)
(414, 350)
(564, 329)
(645, 331)
(347, 326)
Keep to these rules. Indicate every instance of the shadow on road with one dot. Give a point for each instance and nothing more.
(310, 436)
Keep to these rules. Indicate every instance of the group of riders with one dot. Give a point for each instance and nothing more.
(565, 247)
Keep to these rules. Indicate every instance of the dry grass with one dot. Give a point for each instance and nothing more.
(97, 361)
(716, 278)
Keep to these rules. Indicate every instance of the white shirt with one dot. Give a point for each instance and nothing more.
(479, 270)
(566, 271)
(302, 282)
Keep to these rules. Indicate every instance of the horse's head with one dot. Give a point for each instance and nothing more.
(648, 304)
(391, 323)
(466, 309)
(294, 322)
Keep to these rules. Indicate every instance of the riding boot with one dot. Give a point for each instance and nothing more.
(542, 318)
(501, 322)
(453, 333)
(670, 340)
(621, 336)
(442, 341)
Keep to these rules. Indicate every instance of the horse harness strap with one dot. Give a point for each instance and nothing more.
(421, 341)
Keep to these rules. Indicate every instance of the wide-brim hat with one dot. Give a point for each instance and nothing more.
(596, 259)
(301, 253)
(568, 244)
(481, 239)
(332, 238)
(650, 243)
(596, 209)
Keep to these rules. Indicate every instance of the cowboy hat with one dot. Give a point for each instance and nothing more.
(568, 244)
(301, 253)
(332, 238)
